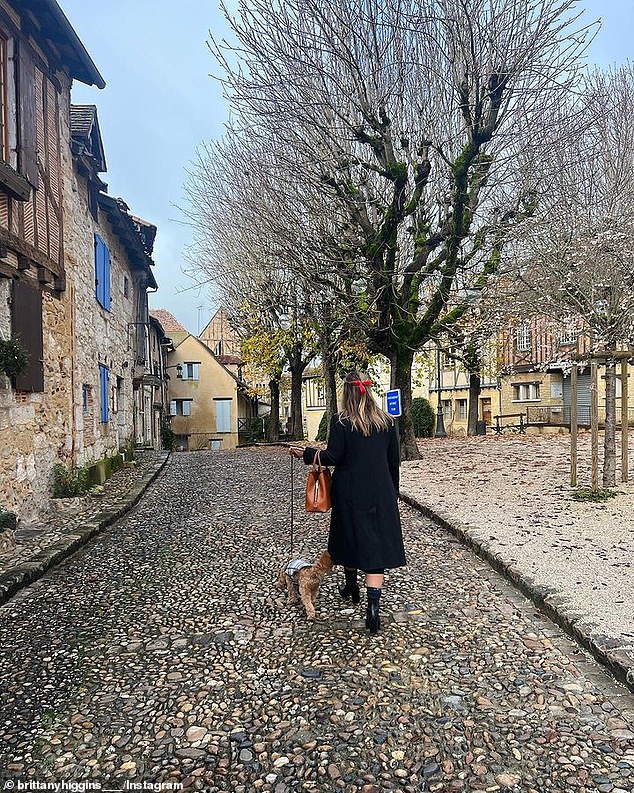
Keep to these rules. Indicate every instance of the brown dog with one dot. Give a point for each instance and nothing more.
(300, 577)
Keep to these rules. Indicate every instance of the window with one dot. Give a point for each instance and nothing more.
(18, 119)
(315, 396)
(104, 376)
(526, 392)
(461, 409)
(126, 286)
(4, 104)
(102, 273)
(86, 395)
(523, 338)
(26, 325)
(223, 415)
(191, 371)
(447, 408)
(181, 407)
(567, 336)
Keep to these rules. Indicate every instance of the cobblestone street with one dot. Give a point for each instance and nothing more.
(163, 653)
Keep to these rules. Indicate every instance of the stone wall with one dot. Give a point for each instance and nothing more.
(36, 429)
(39, 429)
(100, 336)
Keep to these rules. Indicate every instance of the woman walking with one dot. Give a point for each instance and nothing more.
(365, 526)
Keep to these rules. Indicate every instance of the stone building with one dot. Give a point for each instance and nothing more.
(109, 272)
(75, 269)
(40, 55)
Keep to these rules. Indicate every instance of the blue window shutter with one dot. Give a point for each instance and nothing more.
(103, 383)
(102, 272)
(98, 273)
(106, 276)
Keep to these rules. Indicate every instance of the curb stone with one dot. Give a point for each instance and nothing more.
(26, 573)
(609, 652)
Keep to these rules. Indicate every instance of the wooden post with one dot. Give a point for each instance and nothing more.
(625, 415)
(594, 423)
(573, 425)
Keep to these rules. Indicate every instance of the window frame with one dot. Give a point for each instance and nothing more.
(5, 149)
(104, 379)
(523, 338)
(86, 397)
(195, 369)
(527, 392)
(177, 407)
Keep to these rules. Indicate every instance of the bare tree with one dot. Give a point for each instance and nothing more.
(411, 120)
(578, 254)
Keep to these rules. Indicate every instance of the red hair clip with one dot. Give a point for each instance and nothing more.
(361, 383)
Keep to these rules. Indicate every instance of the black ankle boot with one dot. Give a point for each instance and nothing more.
(351, 587)
(372, 620)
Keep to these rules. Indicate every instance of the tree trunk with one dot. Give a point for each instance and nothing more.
(475, 387)
(296, 424)
(329, 366)
(273, 429)
(609, 444)
(401, 377)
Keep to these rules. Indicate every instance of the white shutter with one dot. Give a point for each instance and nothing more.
(195, 371)
(173, 407)
(223, 415)
(187, 407)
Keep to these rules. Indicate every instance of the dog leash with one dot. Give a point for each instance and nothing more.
(292, 502)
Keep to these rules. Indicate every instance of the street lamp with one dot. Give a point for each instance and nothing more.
(440, 419)
(179, 370)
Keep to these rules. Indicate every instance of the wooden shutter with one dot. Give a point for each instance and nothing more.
(173, 408)
(223, 415)
(102, 272)
(106, 275)
(103, 386)
(26, 324)
(187, 407)
(27, 131)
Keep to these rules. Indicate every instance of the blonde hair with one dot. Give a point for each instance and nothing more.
(360, 407)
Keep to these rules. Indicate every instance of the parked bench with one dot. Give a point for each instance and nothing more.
(502, 424)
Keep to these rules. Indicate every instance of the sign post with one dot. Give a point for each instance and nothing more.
(393, 400)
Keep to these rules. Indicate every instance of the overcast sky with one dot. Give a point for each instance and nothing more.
(160, 103)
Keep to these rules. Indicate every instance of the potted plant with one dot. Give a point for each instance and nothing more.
(14, 357)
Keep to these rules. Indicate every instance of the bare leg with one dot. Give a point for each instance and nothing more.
(374, 580)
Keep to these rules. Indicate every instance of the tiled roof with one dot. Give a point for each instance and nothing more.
(229, 359)
(86, 135)
(82, 117)
(168, 321)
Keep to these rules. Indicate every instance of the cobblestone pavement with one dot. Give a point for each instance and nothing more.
(66, 515)
(162, 653)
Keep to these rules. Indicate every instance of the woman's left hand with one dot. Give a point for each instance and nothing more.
(296, 451)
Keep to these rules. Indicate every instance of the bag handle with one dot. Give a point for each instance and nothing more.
(317, 463)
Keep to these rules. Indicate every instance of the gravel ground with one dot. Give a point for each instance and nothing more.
(512, 494)
(163, 654)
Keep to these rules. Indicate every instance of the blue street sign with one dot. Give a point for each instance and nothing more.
(393, 399)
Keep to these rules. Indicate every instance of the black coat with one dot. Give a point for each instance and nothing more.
(365, 526)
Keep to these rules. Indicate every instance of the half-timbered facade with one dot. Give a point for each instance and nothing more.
(40, 55)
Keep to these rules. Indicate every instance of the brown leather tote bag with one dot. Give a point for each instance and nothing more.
(318, 487)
